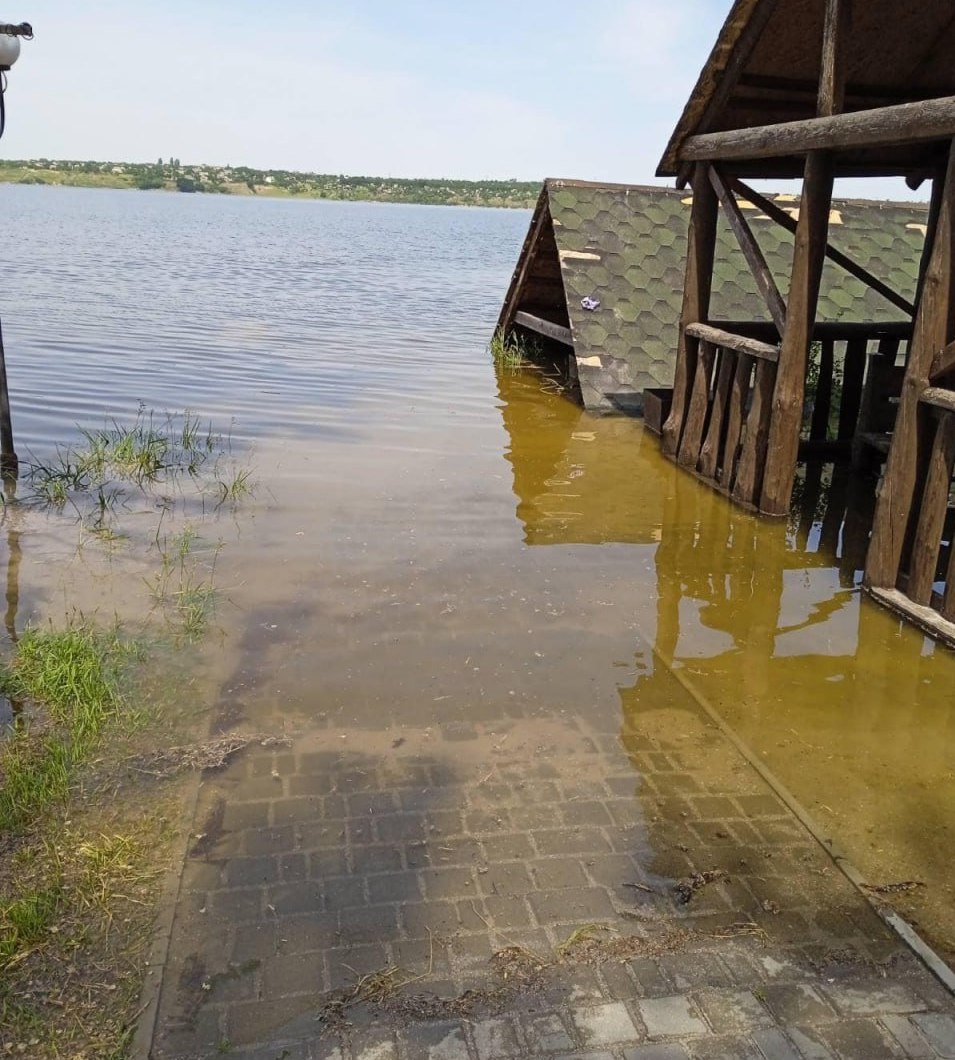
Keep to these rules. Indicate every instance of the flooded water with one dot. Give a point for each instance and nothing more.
(437, 548)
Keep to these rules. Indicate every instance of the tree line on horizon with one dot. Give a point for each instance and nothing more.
(171, 175)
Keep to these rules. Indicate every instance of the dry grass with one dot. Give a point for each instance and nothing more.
(76, 912)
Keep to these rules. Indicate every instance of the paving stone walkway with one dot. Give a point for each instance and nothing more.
(620, 887)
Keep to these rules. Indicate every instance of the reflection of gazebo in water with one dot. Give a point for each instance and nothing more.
(821, 89)
(581, 479)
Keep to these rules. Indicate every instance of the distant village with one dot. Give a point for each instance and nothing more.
(171, 175)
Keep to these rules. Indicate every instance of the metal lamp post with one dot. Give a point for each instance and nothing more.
(10, 36)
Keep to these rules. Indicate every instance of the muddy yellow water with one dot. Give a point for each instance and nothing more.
(431, 544)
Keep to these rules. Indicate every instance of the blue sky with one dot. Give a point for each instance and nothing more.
(478, 89)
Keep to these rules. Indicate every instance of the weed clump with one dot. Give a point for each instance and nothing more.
(71, 680)
(512, 350)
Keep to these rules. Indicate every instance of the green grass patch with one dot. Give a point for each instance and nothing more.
(71, 679)
(512, 350)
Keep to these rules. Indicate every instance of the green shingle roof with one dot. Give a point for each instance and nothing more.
(639, 235)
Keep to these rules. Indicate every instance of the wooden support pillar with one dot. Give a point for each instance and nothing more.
(808, 256)
(696, 301)
(788, 394)
(933, 330)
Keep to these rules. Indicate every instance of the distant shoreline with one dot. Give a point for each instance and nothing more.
(270, 184)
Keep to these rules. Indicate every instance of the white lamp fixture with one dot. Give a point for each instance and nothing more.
(10, 35)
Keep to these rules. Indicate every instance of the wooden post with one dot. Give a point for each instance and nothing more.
(822, 407)
(9, 464)
(932, 331)
(853, 372)
(931, 515)
(808, 255)
(696, 301)
(689, 451)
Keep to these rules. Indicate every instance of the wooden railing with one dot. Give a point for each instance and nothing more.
(925, 587)
(726, 420)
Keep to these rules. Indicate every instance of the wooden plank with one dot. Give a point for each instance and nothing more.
(939, 397)
(752, 458)
(809, 87)
(739, 343)
(788, 394)
(689, 451)
(943, 363)
(739, 394)
(927, 620)
(823, 329)
(934, 504)
(905, 123)
(843, 260)
(742, 50)
(696, 302)
(544, 327)
(822, 406)
(853, 373)
(539, 221)
(832, 74)
(765, 283)
(932, 332)
(710, 451)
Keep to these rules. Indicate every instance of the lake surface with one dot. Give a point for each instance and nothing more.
(433, 543)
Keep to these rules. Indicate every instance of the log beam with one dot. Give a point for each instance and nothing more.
(852, 267)
(943, 363)
(739, 343)
(765, 283)
(547, 328)
(932, 332)
(696, 302)
(905, 123)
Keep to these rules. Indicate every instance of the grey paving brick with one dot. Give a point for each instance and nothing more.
(294, 973)
(809, 1044)
(494, 1039)
(399, 827)
(670, 1017)
(939, 1031)
(572, 904)
(609, 1024)
(552, 873)
(796, 1003)
(547, 1034)
(860, 1040)
(903, 1031)
(651, 979)
(725, 1048)
(393, 887)
(774, 1045)
(733, 1011)
(690, 971)
(433, 1041)
(508, 912)
(371, 1046)
(586, 811)
(657, 1051)
(385, 858)
(451, 882)
(570, 841)
(377, 923)
(871, 997)
(343, 892)
(508, 878)
(619, 984)
(507, 847)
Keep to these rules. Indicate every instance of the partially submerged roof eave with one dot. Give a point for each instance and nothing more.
(706, 83)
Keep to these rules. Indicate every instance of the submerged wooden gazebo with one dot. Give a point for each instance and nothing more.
(820, 89)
